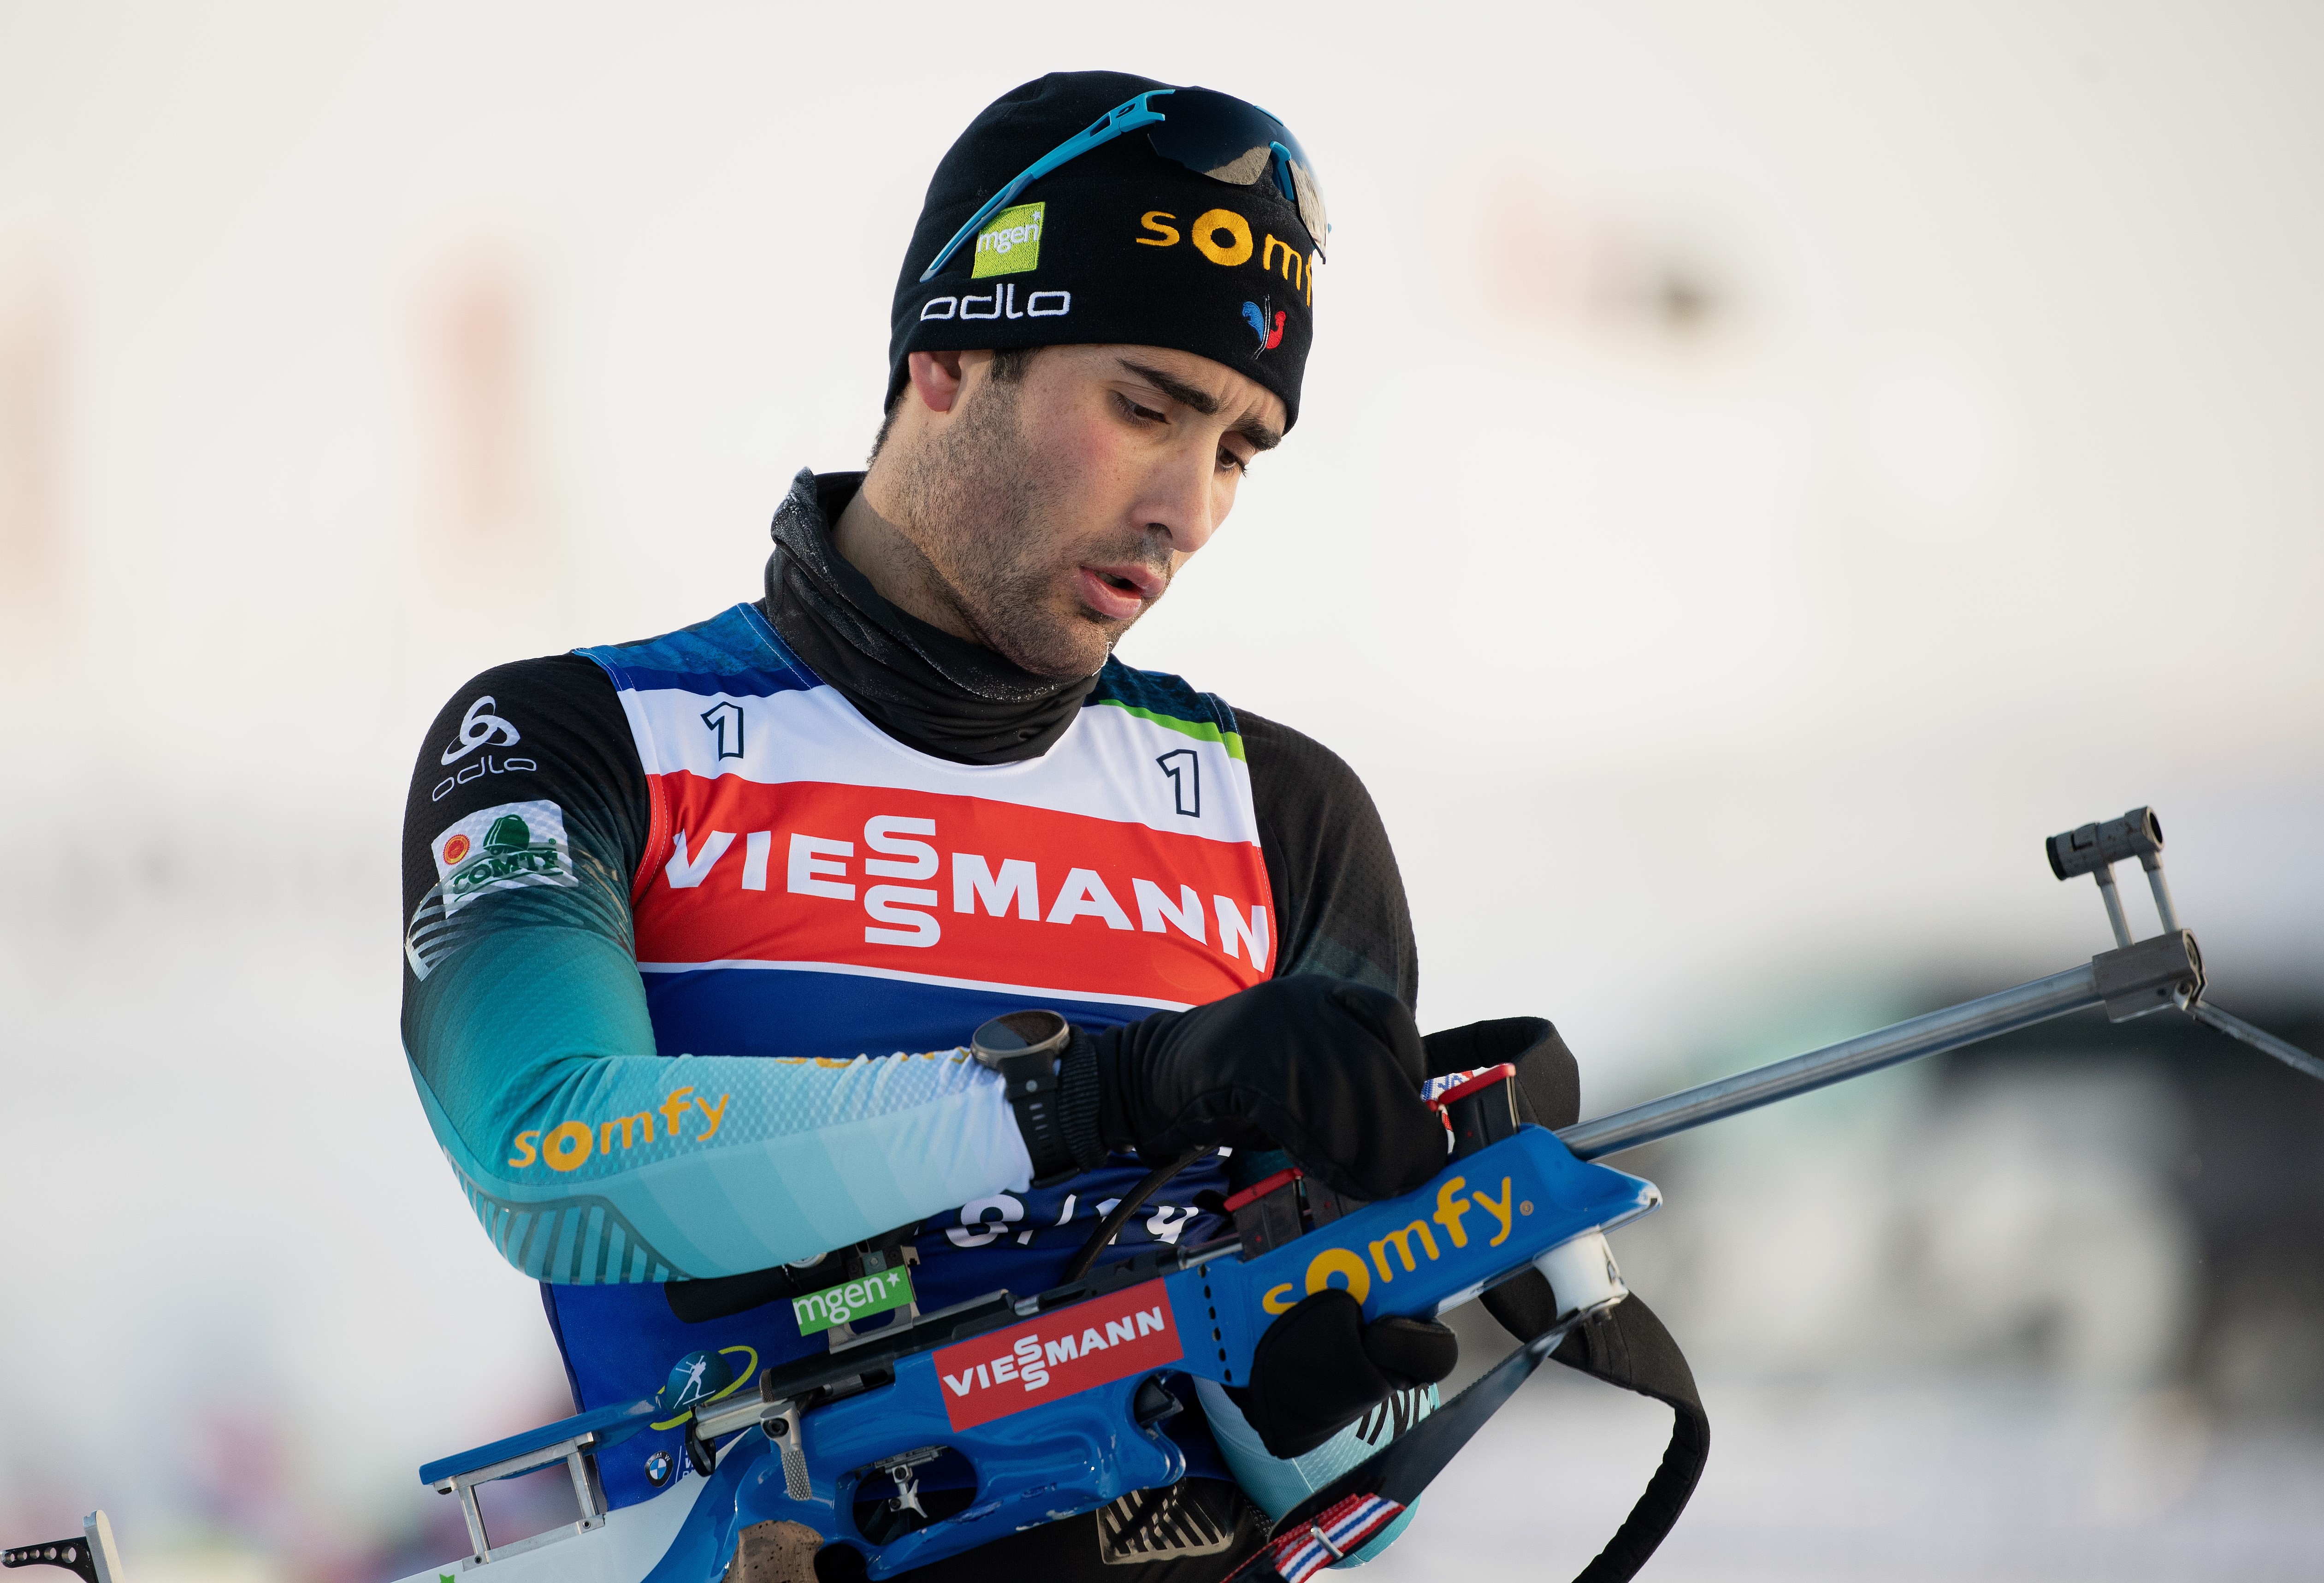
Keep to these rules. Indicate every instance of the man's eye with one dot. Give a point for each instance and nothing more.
(1143, 414)
(1231, 463)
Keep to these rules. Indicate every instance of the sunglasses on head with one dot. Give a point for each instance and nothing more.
(1210, 132)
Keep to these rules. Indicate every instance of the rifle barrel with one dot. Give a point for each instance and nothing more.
(2073, 990)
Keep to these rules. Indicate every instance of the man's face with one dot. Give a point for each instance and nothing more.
(1054, 510)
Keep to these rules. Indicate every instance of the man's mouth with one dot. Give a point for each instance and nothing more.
(1121, 592)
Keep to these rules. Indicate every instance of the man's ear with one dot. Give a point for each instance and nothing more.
(936, 379)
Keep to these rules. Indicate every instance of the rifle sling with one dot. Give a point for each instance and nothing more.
(1624, 1346)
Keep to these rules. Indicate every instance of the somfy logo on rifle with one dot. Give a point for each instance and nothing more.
(1394, 1252)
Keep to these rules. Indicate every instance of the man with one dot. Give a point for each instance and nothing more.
(673, 903)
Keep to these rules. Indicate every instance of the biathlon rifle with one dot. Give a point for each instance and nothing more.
(1059, 1400)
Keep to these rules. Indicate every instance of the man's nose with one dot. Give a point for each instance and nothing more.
(1183, 501)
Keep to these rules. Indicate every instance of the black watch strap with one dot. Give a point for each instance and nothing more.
(1028, 1048)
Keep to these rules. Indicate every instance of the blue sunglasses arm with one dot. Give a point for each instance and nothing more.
(1281, 163)
(1128, 117)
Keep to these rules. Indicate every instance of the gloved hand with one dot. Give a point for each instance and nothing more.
(1327, 1069)
(1320, 1367)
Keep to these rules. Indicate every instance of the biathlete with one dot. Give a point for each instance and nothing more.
(698, 927)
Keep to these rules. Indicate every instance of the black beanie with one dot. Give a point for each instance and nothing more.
(1117, 245)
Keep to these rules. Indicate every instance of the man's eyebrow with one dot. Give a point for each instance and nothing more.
(1260, 436)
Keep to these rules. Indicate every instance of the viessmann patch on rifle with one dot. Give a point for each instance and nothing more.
(1075, 1348)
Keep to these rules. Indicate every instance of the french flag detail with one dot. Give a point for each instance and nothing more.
(1337, 1532)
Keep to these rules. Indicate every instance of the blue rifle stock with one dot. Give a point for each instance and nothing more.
(1078, 1436)
(1053, 1399)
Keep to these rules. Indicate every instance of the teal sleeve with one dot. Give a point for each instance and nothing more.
(587, 1153)
(1280, 1482)
(587, 1157)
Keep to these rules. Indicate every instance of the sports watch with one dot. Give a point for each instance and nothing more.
(1028, 1048)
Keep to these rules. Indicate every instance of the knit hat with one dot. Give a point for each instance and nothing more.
(1119, 245)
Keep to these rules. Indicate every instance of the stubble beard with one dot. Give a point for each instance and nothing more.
(980, 502)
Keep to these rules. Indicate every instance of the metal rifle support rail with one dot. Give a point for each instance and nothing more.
(587, 1491)
(2073, 990)
(2138, 977)
(92, 1556)
(2291, 1055)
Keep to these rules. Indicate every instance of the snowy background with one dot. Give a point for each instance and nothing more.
(1763, 469)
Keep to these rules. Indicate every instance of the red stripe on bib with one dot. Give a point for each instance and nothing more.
(956, 887)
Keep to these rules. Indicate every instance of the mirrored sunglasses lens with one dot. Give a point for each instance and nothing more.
(1215, 135)
(1224, 138)
(1311, 205)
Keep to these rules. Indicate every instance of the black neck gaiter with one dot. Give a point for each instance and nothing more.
(928, 689)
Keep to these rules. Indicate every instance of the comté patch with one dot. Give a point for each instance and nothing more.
(1057, 1354)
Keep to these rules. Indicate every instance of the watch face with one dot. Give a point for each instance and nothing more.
(1029, 1033)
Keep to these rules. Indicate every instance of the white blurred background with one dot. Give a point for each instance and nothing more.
(1763, 469)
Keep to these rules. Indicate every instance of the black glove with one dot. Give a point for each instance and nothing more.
(1325, 1069)
(1320, 1367)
